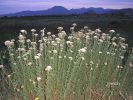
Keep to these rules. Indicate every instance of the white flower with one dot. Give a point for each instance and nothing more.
(70, 58)
(108, 53)
(95, 37)
(91, 69)
(48, 68)
(53, 36)
(49, 51)
(100, 40)
(45, 39)
(72, 28)
(49, 33)
(33, 30)
(39, 54)
(28, 40)
(9, 76)
(71, 51)
(100, 52)
(98, 30)
(122, 57)
(21, 49)
(113, 54)
(58, 40)
(105, 63)
(12, 43)
(40, 41)
(7, 43)
(108, 37)
(124, 47)
(131, 64)
(70, 37)
(39, 79)
(18, 57)
(37, 57)
(122, 39)
(55, 51)
(33, 43)
(83, 58)
(87, 37)
(29, 63)
(18, 90)
(12, 40)
(42, 32)
(1, 66)
(83, 50)
(85, 27)
(119, 67)
(23, 31)
(112, 31)
(60, 28)
(69, 42)
(25, 59)
(53, 42)
(60, 57)
(33, 82)
(62, 34)
(114, 44)
(21, 37)
(11, 54)
(96, 65)
(36, 35)
(74, 24)
(91, 62)
(104, 34)
(51, 58)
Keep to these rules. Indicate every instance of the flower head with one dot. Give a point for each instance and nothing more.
(33, 30)
(49, 33)
(74, 24)
(39, 79)
(112, 31)
(1, 66)
(48, 68)
(7, 43)
(37, 57)
(82, 50)
(23, 31)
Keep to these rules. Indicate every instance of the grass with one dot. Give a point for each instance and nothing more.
(84, 65)
(9, 27)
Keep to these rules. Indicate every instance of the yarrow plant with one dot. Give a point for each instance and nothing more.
(83, 65)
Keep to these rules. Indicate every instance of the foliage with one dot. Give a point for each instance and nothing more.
(84, 65)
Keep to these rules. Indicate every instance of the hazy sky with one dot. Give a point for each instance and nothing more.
(11, 6)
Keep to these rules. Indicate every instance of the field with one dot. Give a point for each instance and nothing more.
(9, 27)
(77, 57)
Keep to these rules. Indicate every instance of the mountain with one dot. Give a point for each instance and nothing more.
(59, 10)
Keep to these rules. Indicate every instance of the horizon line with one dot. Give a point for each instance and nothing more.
(65, 8)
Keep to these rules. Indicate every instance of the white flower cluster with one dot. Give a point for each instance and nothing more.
(9, 43)
(82, 50)
(62, 34)
(48, 68)
(1, 66)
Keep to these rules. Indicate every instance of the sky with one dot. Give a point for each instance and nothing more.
(12, 6)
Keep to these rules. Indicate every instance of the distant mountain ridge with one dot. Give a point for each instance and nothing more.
(59, 10)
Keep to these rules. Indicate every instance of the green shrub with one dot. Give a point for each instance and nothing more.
(85, 65)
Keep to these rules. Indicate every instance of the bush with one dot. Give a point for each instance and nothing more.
(83, 65)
